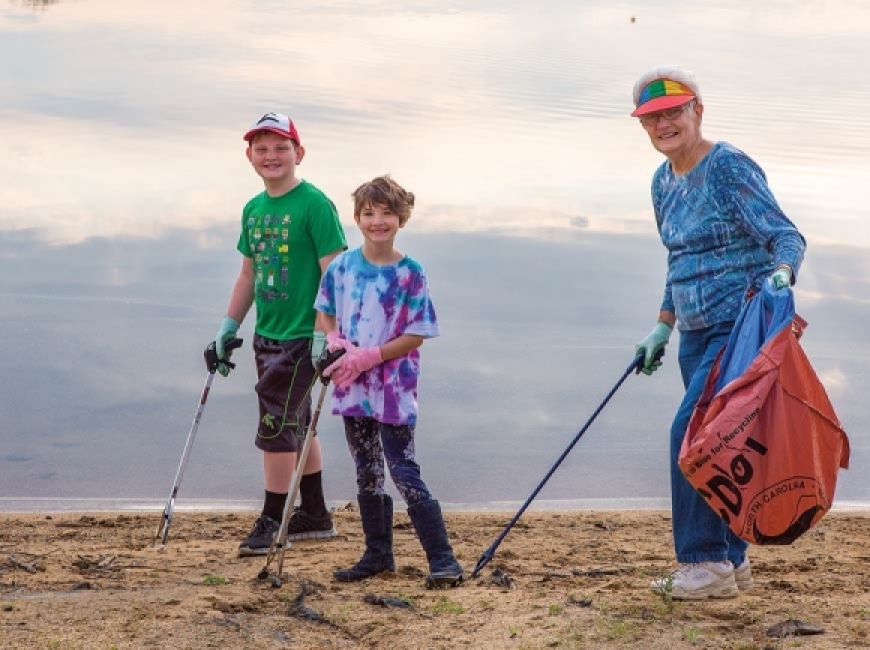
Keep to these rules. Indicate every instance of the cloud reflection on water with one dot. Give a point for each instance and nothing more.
(105, 367)
(124, 175)
(134, 111)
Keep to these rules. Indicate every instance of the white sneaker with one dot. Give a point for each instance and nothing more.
(699, 580)
(743, 576)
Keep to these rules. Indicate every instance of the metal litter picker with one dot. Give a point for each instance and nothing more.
(635, 366)
(211, 363)
(279, 542)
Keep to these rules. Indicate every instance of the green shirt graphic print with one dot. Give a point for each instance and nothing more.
(286, 236)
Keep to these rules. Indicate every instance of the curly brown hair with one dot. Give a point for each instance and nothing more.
(383, 190)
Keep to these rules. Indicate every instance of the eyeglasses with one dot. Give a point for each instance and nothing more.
(651, 119)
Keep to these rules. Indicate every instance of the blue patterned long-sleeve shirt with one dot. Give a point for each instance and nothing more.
(724, 232)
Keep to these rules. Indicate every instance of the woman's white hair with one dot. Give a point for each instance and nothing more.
(674, 73)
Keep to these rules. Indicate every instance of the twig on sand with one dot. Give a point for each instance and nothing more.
(27, 566)
(299, 609)
(597, 573)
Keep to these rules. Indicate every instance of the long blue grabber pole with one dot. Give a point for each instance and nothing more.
(635, 366)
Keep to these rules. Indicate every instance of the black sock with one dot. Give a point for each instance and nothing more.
(273, 506)
(311, 491)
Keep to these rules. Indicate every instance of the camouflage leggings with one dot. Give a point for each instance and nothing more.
(370, 442)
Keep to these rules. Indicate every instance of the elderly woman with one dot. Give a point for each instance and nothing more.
(725, 235)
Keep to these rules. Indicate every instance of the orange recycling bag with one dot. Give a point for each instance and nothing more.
(764, 445)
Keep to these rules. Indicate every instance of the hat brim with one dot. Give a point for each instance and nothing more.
(661, 104)
(250, 134)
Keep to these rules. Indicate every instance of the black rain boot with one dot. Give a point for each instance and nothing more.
(376, 511)
(444, 570)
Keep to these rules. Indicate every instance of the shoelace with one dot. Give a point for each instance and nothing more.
(689, 568)
(261, 526)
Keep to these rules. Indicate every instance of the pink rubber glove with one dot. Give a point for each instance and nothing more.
(354, 362)
(334, 341)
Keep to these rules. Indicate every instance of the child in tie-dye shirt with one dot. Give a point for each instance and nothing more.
(375, 304)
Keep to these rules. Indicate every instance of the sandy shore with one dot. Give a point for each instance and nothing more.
(559, 580)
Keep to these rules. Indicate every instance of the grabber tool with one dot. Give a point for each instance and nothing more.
(279, 541)
(211, 363)
(636, 366)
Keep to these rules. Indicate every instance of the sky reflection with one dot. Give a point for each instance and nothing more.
(105, 368)
(501, 114)
(124, 175)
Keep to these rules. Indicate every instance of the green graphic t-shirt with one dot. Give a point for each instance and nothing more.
(286, 236)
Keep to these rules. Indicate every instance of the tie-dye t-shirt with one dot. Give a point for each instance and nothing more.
(724, 232)
(373, 305)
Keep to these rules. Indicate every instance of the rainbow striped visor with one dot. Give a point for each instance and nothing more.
(661, 94)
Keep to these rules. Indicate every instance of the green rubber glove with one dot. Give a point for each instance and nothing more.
(654, 341)
(226, 333)
(781, 278)
(318, 345)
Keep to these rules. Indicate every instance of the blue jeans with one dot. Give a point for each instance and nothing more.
(700, 535)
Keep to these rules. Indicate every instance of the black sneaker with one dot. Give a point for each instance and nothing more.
(303, 525)
(260, 538)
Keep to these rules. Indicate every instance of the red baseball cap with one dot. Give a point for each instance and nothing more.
(276, 123)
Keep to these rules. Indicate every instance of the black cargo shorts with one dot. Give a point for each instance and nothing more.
(286, 377)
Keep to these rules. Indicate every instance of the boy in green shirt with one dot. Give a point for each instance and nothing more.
(290, 233)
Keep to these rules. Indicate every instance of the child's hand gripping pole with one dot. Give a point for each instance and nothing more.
(354, 362)
(328, 359)
(213, 362)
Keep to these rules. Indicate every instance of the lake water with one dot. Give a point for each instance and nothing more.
(123, 176)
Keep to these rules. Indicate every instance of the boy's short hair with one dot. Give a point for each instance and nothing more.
(383, 190)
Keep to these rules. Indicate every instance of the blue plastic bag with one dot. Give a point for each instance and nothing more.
(762, 317)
